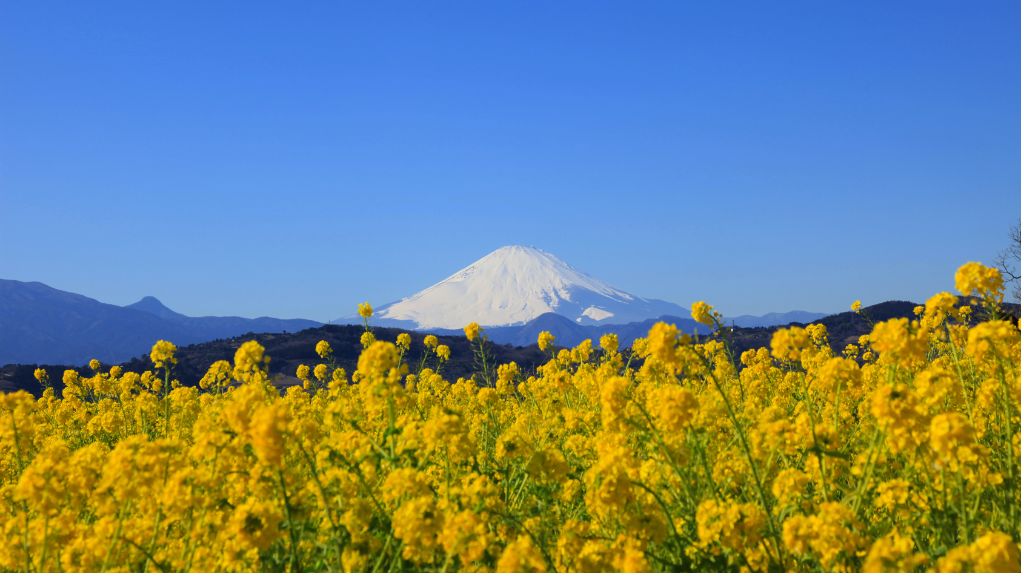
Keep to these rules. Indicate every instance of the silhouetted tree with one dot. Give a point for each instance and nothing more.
(1009, 262)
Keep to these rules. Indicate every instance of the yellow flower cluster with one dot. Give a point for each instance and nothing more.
(668, 456)
(472, 331)
(703, 313)
(323, 349)
(976, 278)
(162, 355)
(544, 340)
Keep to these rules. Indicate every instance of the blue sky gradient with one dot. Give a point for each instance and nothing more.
(293, 159)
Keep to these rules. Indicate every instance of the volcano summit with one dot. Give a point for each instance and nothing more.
(515, 284)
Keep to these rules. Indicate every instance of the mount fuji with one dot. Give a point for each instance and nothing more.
(514, 285)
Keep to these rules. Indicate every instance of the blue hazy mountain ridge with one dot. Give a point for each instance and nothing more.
(569, 333)
(774, 319)
(43, 325)
(40, 324)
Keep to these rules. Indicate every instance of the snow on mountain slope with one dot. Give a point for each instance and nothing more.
(514, 285)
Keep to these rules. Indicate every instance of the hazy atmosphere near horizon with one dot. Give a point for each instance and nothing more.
(257, 159)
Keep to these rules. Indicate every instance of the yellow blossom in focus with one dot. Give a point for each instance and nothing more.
(218, 376)
(320, 372)
(404, 340)
(544, 340)
(472, 331)
(443, 352)
(365, 310)
(162, 354)
(366, 339)
(323, 349)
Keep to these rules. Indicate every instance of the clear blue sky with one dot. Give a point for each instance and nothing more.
(295, 158)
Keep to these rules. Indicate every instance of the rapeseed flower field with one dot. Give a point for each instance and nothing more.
(899, 453)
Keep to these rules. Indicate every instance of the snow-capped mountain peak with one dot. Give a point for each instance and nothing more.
(515, 284)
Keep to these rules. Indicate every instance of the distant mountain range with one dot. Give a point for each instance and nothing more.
(516, 292)
(774, 319)
(40, 324)
(287, 351)
(516, 289)
(569, 333)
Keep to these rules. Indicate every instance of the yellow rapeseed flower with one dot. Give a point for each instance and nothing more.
(609, 342)
(404, 341)
(162, 354)
(992, 552)
(366, 339)
(789, 343)
(249, 360)
(544, 340)
(443, 352)
(976, 278)
(378, 359)
(323, 349)
(661, 341)
(702, 312)
(586, 462)
(320, 372)
(472, 331)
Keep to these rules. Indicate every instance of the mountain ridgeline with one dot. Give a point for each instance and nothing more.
(514, 285)
(515, 288)
(288, 350)
(43, 325)
(515, 291)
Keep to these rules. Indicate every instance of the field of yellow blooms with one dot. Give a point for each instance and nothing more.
(901, 453)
